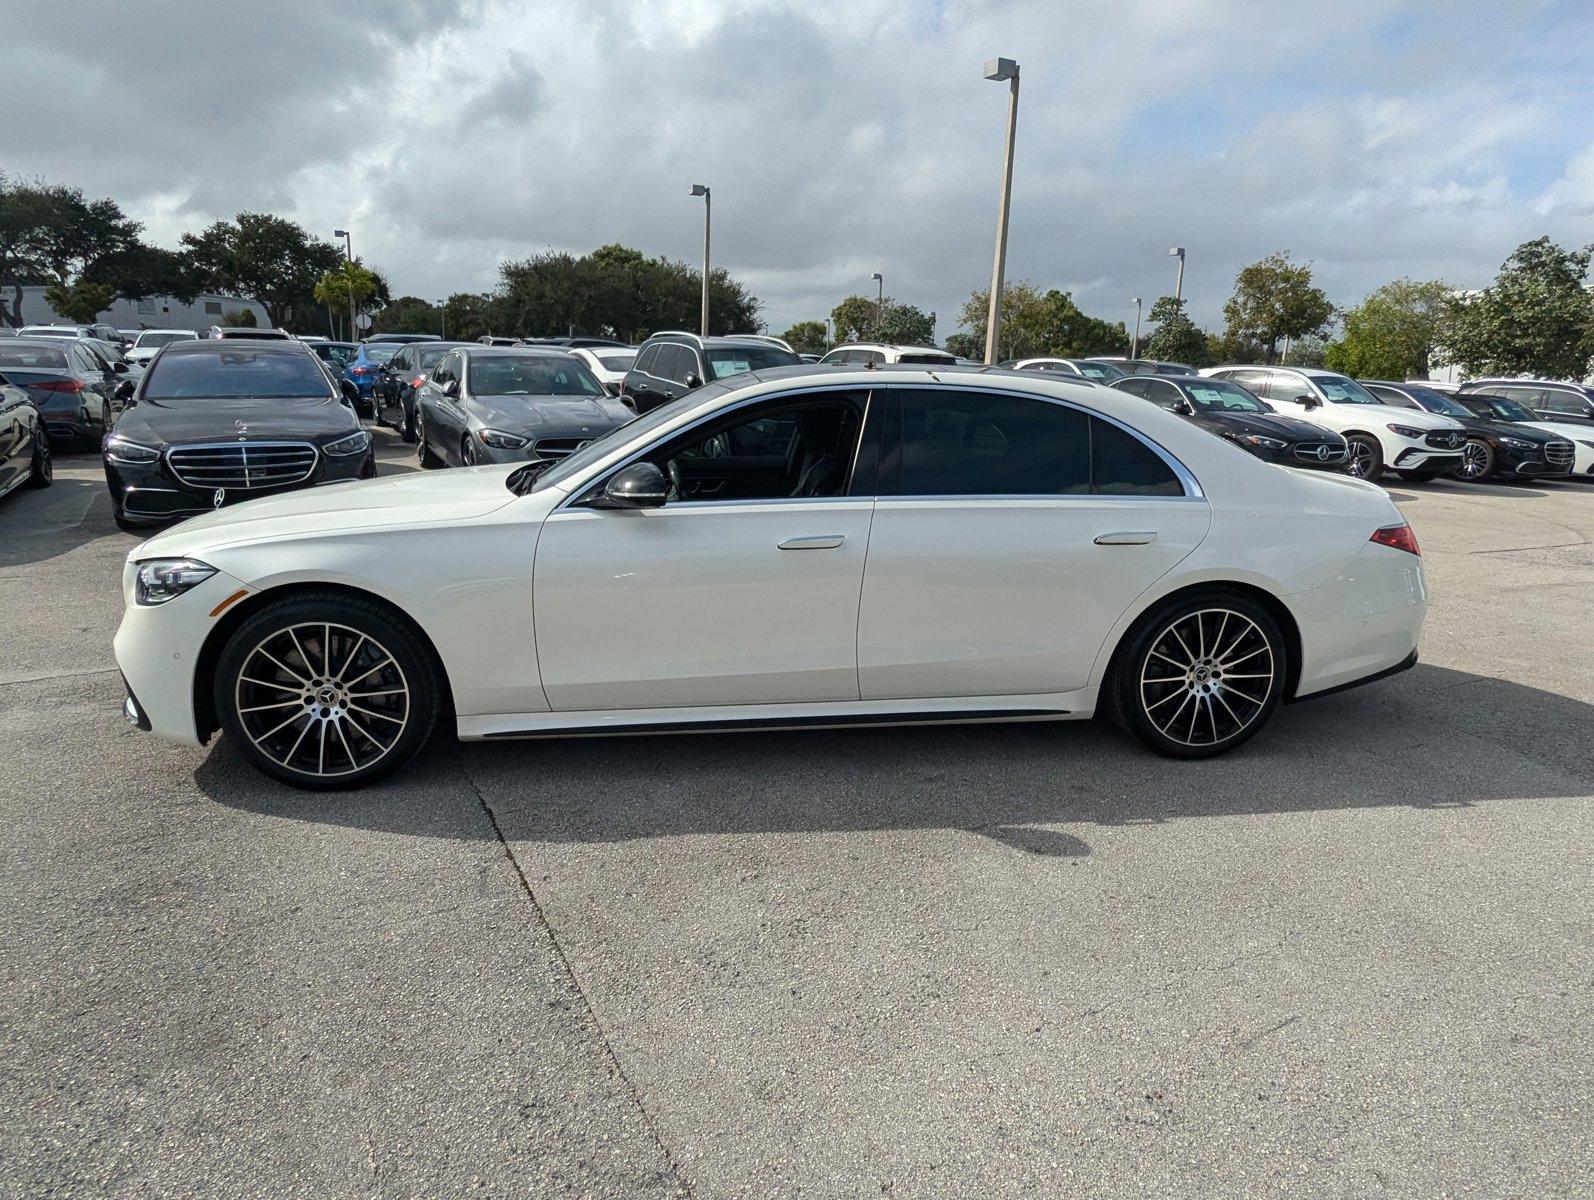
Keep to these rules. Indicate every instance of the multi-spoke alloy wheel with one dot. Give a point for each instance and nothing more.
(326, 691)
(1477, 461)
(1364, 461)
(1199, 677)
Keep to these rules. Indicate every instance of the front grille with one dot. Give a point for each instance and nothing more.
(1558, 454)
(1447, 439)
(559, 447)
(242, 464)
(1322, 452)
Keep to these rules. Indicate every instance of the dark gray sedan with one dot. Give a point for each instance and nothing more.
(492, 404)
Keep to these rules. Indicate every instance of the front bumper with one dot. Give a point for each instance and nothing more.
(150, 493)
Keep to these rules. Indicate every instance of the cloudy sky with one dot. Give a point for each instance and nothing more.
(1378, 138)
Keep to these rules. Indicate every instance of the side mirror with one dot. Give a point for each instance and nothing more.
(692, 381)
(351, 394)
(119, 367)
(1308, 401)
(124, 391)
(641, 485)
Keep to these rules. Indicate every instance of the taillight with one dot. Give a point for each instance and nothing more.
(61, 385)
(1397, 537)
(417, 381)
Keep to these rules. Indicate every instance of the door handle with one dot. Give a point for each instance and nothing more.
(824, 541)
(1141, 538)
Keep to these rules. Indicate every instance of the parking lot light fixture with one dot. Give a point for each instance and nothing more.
(997, 70)
(1178, 283)
(701, 189)
(348, 259)
(879, 303)
(1134, 347)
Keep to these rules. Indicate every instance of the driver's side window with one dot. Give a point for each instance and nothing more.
(792, 449)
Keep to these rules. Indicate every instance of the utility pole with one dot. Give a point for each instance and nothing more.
(1178, 283)
(879, 304)
(699, 189)
(348, 270)
(1134, 348)
(998, 69)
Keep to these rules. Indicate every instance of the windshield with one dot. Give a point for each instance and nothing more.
(236, 375)
(940, 360)
(146, 340)
(433, 355)
(737, 360)
(1342, 390)
(1095, 370)
(617, 362)
(46, 358)
(342, 355)
(1215, 395)
(1506, 410)
(380, 354)
(531, 375)
(1438, 402)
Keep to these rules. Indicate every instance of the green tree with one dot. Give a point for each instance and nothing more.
(266, 258)
(335, 287)
(860, 319)
(1392, 333)
(81, 301)
(964, 345)
(407, 314)
(1175, 337)
(51, 234)
(1273, 299)
(469, 315)
(1537, 318)
(807, 337)
(1037, 323)
(138, 271)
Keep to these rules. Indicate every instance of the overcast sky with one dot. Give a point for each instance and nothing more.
(1378, 138)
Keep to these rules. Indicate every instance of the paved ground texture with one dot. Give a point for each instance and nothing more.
(1352, 960)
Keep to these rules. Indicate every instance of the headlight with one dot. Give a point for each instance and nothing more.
(499, 440)
(119, 449)
(1518, 443)
(1252, 439)
(163, 579)
(1406, 431)
(355, 443)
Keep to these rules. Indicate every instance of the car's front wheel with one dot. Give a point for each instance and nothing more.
(327, 691)
(1477, 462)
(42, 468)
(1366, 456)
(1198, 676)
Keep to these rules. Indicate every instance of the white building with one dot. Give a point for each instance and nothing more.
(157, 312)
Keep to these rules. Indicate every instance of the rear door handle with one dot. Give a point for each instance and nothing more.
(824, 541)
(1140, 538)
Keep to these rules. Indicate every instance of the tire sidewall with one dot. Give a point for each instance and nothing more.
(367, 616)
(1488, 463)
(1125, 705)
(1377, 468)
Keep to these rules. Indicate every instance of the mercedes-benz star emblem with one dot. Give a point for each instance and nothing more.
(1322, 453)
(219, 498)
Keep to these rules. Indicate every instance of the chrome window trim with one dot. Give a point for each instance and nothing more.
(1187, 480)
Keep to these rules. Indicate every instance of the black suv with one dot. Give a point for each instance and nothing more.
(668, 365)
(1225, 408)
(1504, 449)
(1552, 401)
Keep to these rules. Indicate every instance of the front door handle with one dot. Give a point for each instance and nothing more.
(824, 541)
(1140, 538)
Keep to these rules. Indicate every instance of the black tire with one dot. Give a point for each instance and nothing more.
(407, 426)
(1426, 476)
(423, 448)
(319, 747)
(1140, 682)
(467, 452)
(42, 467)
(1477, 462)
(1366, 456)
(93, 439)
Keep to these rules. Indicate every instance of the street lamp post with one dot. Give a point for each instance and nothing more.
(348, 259)
(879, 303)
(1134, 349)
(998, 69)
(700, 189)
(1178, 283)
(442, 318)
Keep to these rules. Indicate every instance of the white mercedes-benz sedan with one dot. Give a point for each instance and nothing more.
(785, 548)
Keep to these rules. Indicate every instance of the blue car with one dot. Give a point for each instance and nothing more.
(364, 370)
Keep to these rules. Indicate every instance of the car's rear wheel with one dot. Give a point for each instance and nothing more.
(1366, 456)
(327, 691)
(467, 451)
(42, 468)
(1477, 461)
(1198, 676)
(423, 448)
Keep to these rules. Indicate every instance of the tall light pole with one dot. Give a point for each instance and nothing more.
(1134, 349)
(1178, 283)
(442, 318)
(701, 189)
(348, 262)
(998, 69)
(879, 302)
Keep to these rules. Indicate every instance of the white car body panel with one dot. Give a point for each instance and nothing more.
(551, 619)
(1581, 437)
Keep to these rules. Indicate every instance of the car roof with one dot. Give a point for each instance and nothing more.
(478, 349)
(38, 341)
(718, 339)
(230, 346)
(895, 347)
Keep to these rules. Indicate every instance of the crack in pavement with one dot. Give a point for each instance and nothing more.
(58, 675)
(575, 982)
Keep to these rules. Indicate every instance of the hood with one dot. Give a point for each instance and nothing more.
(552, 416)
(419, 498)
(1411, 418)
(1488, 428)
(1270, 425)
(166, 422)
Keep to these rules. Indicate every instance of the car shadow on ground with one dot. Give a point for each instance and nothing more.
(37, 525)
(1431, 738)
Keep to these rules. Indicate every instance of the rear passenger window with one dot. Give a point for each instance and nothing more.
(978, 444)
(1123, 465)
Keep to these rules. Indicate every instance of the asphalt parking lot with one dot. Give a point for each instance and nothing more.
(1352, 959)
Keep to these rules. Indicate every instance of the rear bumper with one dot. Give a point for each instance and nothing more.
(1365, 622)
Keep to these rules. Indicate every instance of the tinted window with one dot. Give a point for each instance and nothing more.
(530, 375)
(1123, 465)
(616, 362)
(234, 374)
(43, 358)
(727, 360)
(430, 356)
(1136, 387)
(943, 360)
(1164, 395)
(976, 444)
(786, 449)
(674, 362)
(1103, 371)
(647, 360)
(147, 340)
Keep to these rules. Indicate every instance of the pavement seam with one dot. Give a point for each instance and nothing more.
(58, 675)
(570, 972)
